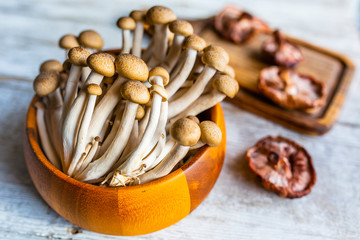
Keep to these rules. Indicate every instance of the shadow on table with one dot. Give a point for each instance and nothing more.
(239, 168)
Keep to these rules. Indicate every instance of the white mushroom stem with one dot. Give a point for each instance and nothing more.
(126, 41)
(174, 52)
(87, 158)
(160, 47)
(166, 149)
(54, 110)
(104, 108)
(178, 105)
(143, 123)
(179, 64)
(177, 153)
(110, 137)
(102, 165)
(133, 163)
(84, 127)
(203, 103)
(137, 39)
(132, 142)
(154, 154)
(72, 121)
(160, 133)
(183, 74)
(149, 50)
(85, 72)
(178, 94)
(71, 89)
(44, 136)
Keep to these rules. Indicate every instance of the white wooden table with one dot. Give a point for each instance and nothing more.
(238, 207)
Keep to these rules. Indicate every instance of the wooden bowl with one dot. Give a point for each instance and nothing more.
(131, 210)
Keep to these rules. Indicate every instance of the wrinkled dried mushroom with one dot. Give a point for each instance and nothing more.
(237, 25)
(290, 89)
(283, 166)
(280, 51)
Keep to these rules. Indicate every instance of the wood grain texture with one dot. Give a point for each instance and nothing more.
(333, 69)
(238, 207)
(125, 211)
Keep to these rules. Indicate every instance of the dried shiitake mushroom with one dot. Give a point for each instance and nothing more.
(291, 90)
(280, 51)
(237, 25)
(283, 166)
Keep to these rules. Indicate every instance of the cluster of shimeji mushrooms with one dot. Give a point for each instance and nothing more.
(108, 119)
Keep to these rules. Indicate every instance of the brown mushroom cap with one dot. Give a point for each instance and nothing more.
(135, 92)
(194, 118)
(109, 80)
(131, 67)
(94, 89)
(46, 83)
(229, 71)
(160, 15)
(138, 15)
(210, 133)
(161, 72)
(78, 56)
(68, 41)
(91, 39)
(194, 42)
(102, 63)
(66, 65)
(218, 49)
(215, 59)
(185, 131)
(181, 27)
(126, 23)
(140, 113)
(283, 166)
(51, 65)
(226, 85)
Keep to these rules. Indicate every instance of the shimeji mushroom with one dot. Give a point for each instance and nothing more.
(45, 84)
(92, 41)
(128, 67)
(213, 60)
(54, 109)
(51, 65)
(68, 42)
(126, 24)
(167, 147)
(228, 70)
(159, 17)
(210, 135)
(181, 29)
(135, 93)
(223, 85)
(93, 91)
(77, 57)
(139, 18)
(193, 44)
(186, 133)
(158, 77)
(44, 136)
(102, 64)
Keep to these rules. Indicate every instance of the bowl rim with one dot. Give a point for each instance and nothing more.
(38, 152)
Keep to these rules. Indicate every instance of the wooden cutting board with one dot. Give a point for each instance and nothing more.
(334, 69)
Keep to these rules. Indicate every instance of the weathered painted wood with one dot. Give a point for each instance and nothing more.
(238, 207)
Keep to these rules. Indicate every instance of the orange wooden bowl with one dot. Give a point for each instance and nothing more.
(130, 210)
